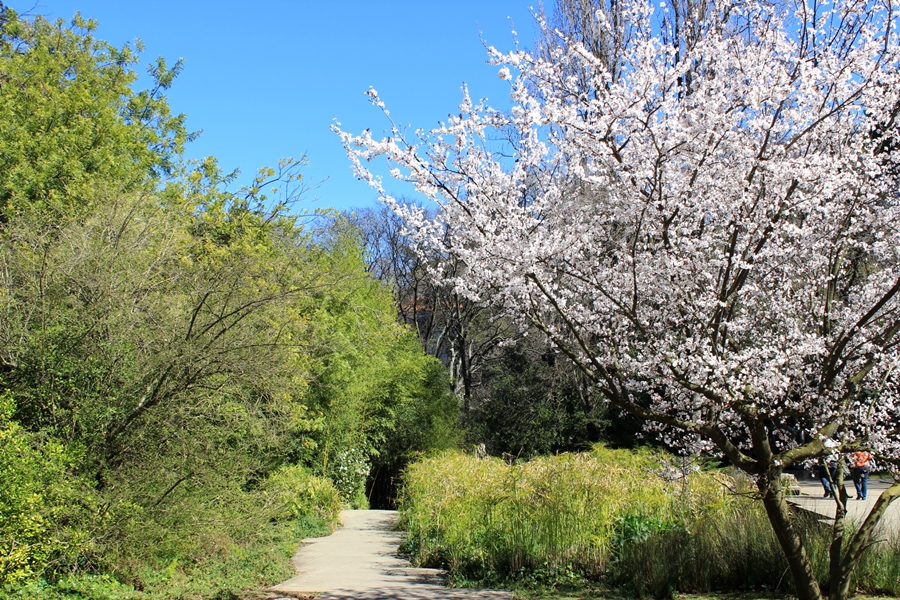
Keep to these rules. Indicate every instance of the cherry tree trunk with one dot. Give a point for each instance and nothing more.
(807, 587)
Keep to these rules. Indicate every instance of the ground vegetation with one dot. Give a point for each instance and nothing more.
(612, 523)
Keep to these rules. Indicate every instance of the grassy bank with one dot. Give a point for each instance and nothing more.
(638, 522)
(235, 571)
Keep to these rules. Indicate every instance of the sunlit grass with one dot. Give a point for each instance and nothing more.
(618, 519)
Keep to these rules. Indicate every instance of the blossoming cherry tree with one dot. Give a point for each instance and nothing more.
(710, 231)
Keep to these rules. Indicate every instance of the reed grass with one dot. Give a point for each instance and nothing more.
(879, 568)
(613, 516)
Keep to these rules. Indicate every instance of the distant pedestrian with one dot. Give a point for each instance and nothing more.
(860, 465)
(827, 475)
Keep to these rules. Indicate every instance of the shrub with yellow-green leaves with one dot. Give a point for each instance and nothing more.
(293, 492)
(45, 511)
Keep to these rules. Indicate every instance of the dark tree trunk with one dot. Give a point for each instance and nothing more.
(807, 587)
(837, 535)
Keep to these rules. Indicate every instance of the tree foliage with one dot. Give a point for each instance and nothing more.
(72, 122)
(534, 402)
(370, 376)
(704, 222)
(180, 361)
(451, 327)
(516, 400)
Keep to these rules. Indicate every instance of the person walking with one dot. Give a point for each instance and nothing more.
(860, 465)
(828, 475)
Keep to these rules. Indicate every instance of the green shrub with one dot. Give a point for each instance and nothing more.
(252, 563)
(74, 587)
(47, 515)
(294, 492)
(200, 543)
(213, 523)
(58, 534)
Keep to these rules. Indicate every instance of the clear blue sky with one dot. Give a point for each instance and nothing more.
(265, 79)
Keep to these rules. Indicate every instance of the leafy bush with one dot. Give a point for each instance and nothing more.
(206, 542)
(253, 563)
(46, 514)
(295, 493)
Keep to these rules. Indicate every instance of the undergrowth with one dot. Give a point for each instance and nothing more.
(210, 547)
(250, 565)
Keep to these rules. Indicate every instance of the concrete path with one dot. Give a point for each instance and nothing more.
(811, 498)
(360, 561)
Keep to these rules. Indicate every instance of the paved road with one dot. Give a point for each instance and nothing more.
(811, 498)
(360, 561)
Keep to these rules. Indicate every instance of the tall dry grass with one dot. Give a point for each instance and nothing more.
(623, 517)
(554, 514)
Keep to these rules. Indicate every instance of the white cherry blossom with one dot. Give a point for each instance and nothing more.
(713, 235)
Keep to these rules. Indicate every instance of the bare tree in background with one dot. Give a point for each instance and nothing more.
(603, 29)
(456, 330)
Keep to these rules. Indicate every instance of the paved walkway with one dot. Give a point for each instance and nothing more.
(811, 498)
(360, 561)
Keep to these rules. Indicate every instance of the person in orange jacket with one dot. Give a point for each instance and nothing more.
(860, 465)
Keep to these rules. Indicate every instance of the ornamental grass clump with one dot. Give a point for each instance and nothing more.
(564, 517)
(732, 549)
(879, 569)
(628, 519)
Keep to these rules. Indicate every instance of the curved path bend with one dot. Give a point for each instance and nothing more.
(360, 561)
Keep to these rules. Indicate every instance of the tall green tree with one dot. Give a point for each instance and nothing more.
(72, 122)
(175, 356)
(373, 383)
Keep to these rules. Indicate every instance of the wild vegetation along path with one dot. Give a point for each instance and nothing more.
(360, 561)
